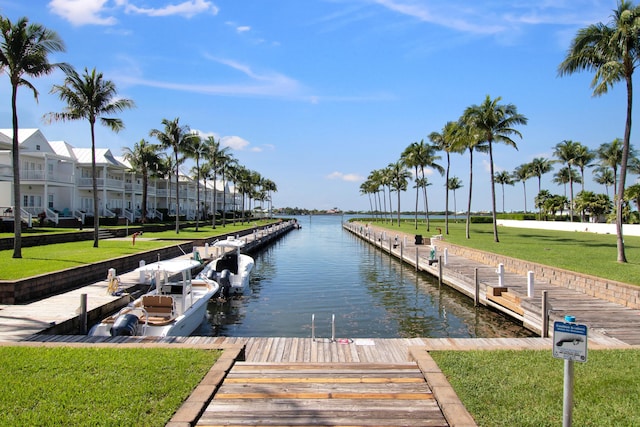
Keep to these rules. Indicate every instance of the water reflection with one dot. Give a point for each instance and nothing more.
(324, 270)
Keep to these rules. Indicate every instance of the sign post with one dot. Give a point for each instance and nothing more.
(570, 344)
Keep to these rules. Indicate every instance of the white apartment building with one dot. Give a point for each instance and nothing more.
(56, 183)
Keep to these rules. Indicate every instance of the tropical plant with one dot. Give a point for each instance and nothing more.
(143, 157)
(567, 151)
(420, 156)
(454, 183)
(541, 200)
(584, 159)
(196, 150)
(178, 138)
(466, 137)
(24, 51)
(521, 174)
(538, 167)
(445, 141)
(604, 176)
(495, 122)
(613, 52)
(89, 96)
(566, 175)
(399, 176)
(504, 178)
(633, 193)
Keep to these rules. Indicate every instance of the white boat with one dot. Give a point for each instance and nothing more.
(232, 269)
(175, 306)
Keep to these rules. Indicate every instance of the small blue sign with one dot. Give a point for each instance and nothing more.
(570, 341)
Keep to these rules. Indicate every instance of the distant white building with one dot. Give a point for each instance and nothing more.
(56, 183)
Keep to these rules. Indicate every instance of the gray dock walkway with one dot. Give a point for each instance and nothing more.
(603, 318)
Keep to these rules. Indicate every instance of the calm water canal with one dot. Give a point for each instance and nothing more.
(324, 270)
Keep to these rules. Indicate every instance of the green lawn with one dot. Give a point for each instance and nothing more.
(524, 388)
(43, 259)
(66, 386)
(588, 253)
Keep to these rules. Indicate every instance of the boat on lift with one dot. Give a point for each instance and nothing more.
(231, 270)
(175, 305)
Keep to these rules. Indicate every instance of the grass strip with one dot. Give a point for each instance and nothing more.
(48, 258)
(45, 259)
(588, 253)
(97, 386)
(524, 388)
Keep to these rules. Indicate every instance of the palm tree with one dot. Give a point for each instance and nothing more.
(495, 123)
(539, 166)
(610, 155)
(541, 202)
(446, 141)
(91, 97)
(399, 176)
(177, 138)
(421, 156)
(466, 137)
(217, 155)
(206, 172)
(565, 176)
(228, 168)
(24, 51)
(454, 183)
(611, 51)
(633, 193)
(503, 178)
(142, 158)
(269, 186)
(584, 159)
(521, 174)
(604, 176)
(196, 150)
(567, 151)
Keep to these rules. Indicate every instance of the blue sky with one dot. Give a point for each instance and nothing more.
(315, 94)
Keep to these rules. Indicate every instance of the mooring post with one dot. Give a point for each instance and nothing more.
(417, 259)
(476, 295)
(545, 316)
(333, 328)
(440, 270)
(83, 314)
(530, 283)
(446, 256)
(500, 272)
(313, 327)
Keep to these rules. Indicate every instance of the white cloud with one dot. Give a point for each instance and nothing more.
(188, 9)
(82, 12)
(243, 28)
(349, 177)
(97, 12)
(234, 142)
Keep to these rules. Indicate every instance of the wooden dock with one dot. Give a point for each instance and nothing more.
(603, 318)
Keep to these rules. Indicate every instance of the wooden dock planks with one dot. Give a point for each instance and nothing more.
(314, 394)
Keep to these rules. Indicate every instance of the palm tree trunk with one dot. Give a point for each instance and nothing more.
(446, 197)
(175, 150)
(94, 182)
(197, 193)
(17, 207)
(493, 195)
(145, 183)
(417, 195)
(468, 235)
(623, 174)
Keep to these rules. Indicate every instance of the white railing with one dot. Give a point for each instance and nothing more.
(107, 212)
(129, 215)
(52, 215)
(26, 216)
(80, 216)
